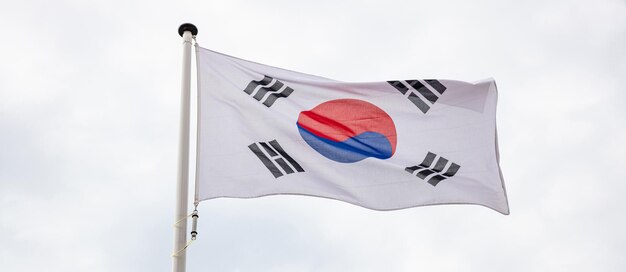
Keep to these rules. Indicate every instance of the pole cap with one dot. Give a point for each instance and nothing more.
(187, 27)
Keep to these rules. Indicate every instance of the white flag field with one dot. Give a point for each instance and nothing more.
(383, 145)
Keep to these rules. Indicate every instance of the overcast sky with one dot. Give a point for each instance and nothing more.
(89, 108)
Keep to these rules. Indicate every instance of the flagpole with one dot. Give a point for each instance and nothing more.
(186, 31)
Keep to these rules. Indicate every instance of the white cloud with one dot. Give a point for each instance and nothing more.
(88, 134)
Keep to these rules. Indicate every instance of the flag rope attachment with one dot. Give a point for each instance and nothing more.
(194, 225)
(181, 220)
(183, 249)
(194, 222)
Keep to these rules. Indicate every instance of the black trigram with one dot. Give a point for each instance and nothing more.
(432, 174)
(423, 94)
(273, 156)
(268, 90)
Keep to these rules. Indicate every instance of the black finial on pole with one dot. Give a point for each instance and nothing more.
(187, 27)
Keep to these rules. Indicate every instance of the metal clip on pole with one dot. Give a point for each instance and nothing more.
(194, 224)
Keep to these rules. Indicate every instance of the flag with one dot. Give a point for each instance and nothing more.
(384, 145)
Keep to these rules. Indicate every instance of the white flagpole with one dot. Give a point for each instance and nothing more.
(187, 31)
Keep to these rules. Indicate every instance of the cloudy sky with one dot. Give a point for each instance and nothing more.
(89, 108)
